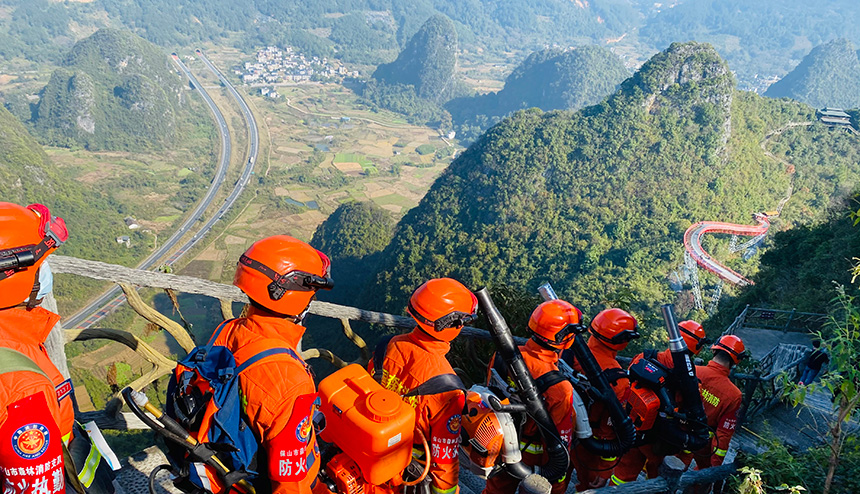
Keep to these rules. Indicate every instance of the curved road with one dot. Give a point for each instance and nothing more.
(112, 299)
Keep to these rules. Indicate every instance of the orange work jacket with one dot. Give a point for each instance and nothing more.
(721, 399)
(36, 414)
(26, 331)
(277, 397)
(410, 360)
(558, 399)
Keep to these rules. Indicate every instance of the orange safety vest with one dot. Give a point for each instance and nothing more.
(270, 391)
(36, 413)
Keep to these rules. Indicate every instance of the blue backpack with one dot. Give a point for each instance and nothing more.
(203, 397)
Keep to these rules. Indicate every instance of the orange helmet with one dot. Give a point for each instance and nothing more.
(732, 345)
(27, 236)
(694, 335)
(614, 328)
(282, 274)
(442, 306)
(555, 323)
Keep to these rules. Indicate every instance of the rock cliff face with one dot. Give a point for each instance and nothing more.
(116, 91)
(428, 62)
(689, 78)
(828, 76)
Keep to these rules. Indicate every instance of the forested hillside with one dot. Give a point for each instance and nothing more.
(828, 76)
(353, 236)
(428, 63)
(422, 78)
(597, 201)
(27, 176)
(115, 91)
(549, 79)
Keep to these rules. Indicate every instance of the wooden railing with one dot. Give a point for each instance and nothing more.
(672, 474)
(130, 279)
(777, 320)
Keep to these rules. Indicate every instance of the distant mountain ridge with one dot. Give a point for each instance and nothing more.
(549, 79)
(828, 76)
(428, 62)
(115, 91)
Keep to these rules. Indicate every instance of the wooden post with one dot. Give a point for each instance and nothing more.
(56, 342)
(535, 484)
(671, 470)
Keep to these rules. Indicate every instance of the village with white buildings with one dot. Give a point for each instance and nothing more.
(278, 66)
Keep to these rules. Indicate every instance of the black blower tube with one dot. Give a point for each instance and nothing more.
(625, 431)
(558, 457)
(688, 383)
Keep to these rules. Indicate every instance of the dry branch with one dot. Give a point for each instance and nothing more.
(178, 332)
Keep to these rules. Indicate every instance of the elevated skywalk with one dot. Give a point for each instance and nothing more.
(693, 244)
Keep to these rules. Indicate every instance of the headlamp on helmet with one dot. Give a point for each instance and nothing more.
(455, 319)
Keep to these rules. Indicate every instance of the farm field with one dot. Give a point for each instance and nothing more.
(320, 147)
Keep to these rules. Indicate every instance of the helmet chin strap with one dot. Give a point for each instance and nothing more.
(301, 317)
(33, 301)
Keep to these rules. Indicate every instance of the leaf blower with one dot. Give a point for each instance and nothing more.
(371, 430)
(531, 402)
(692, 414)
(625, 431)
(489, 438)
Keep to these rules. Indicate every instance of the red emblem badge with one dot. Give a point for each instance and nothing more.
(31, 441)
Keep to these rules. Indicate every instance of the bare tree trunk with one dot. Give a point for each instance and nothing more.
(833, 462)
(846, 407)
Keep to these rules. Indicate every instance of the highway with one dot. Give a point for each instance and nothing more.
(110, 300)
(693, 244)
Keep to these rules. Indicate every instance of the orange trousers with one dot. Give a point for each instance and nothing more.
(592, 471)
(633, 462)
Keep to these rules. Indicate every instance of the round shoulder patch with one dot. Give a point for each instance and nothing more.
(31, 441)
(454, 424)
(303, 431)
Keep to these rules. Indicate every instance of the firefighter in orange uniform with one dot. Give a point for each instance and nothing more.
(280, 275)
(553, 325)
(633, 461)
(440, 307)
(611, 330)
(36, 414)
(721, 398)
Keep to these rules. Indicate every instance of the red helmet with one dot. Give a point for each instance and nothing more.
(555, 323)
(282, 274)
(27, 236)
(694, 335)
(442, 306)
(614, 328)
(732, 345)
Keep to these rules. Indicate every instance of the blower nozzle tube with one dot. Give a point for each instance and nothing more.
(558, 457)
(688, 383)
(625, 431)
